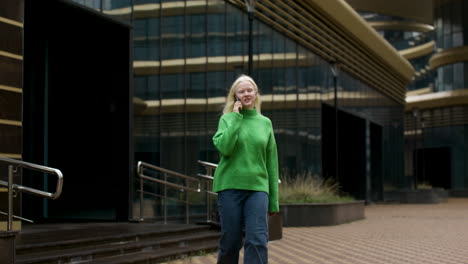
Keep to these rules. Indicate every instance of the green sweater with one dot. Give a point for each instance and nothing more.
(249, 159)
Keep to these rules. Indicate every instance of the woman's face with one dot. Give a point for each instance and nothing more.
(246, 94)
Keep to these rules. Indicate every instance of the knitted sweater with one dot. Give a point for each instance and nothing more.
(249, 159)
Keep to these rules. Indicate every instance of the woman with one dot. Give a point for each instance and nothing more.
(246, 179)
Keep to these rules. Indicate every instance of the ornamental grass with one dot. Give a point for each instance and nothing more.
(306, 188)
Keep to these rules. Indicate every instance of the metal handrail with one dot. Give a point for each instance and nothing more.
(209, 176)
(207, 164)
(141, 166)
(18, 217)
(12, 168)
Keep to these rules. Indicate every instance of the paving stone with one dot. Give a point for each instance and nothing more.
(390, 233)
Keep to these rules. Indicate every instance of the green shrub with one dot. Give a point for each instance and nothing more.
(306, 188)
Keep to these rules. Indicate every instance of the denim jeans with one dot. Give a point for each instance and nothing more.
(240, 209)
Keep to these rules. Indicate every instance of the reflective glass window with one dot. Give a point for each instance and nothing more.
(172, 34)
(216, 44)
(196, 85)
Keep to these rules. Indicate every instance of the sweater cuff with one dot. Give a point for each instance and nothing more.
(273, 206)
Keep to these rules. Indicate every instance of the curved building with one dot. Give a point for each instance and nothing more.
(435, 111)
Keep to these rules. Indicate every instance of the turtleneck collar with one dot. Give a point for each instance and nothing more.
(252, 112)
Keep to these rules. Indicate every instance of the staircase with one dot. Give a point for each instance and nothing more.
(113, 243)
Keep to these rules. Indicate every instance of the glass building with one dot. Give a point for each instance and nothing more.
(146, 80)
(434, 41)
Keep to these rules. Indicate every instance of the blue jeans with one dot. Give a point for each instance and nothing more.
(238, 209)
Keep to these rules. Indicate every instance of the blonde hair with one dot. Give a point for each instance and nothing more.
(231, 96)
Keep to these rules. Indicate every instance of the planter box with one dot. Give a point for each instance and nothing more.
(459, 193)
(323, 214)
(419, 196)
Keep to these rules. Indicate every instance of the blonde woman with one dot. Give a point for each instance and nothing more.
(246, 179)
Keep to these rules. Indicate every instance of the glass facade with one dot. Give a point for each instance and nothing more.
(435, 138)
(451, 77)
(187, 54)
(402, 40)
(451, 24)
(451, 33)
(442, 131)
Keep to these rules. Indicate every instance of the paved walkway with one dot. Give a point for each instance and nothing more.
(397, 233)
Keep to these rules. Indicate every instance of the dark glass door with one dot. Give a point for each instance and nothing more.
(433, 167)
(344, 150)
(376, 176)
(77, 111)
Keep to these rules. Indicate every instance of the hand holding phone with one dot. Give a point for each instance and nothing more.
(237, 105)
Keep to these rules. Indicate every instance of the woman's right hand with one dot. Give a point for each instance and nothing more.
(237, 106)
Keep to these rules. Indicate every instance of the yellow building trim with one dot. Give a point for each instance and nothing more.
(418, 51)
(439, 99)
(11, 22)
(168, 9)
(417, 10)
(418, 92)
(401, 26)
(10, 122)
(449, 56)
(16, 225)
(11, 89)
(269, 101)
(10, 55)
(346, 18)
(11, 155)
(201, 64)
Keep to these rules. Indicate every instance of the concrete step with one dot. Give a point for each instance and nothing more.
(161, 255)
(95, 242)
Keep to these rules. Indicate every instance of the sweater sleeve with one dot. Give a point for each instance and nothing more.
(226, 137)
(272, 167)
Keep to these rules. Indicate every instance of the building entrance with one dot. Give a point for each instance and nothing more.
(77, 111)
(433, 167)
(344, 152)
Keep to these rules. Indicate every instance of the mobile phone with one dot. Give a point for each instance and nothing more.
(237, 100)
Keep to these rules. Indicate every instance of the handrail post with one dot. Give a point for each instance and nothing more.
(186, 207)
(141, 199)
(208, 201)
(10, 198)
(165, 199)
(209, 172)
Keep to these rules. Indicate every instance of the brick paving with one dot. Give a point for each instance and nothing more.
(390, 233)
